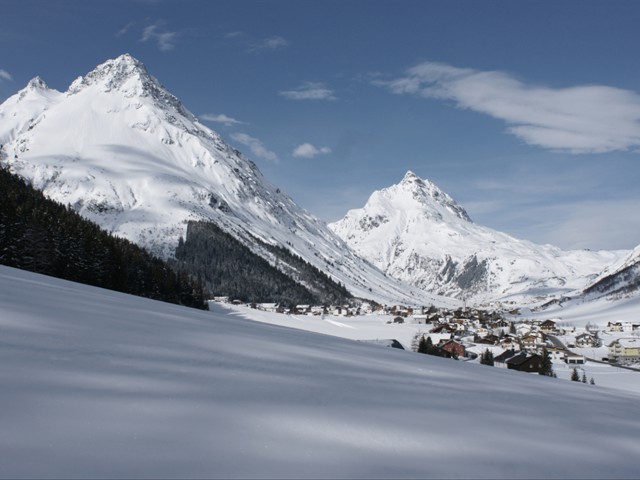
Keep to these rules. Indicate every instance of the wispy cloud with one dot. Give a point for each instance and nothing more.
(578, 119)
(309, 91)
(4, 75)
(268, 44)
(235, 34)
(220, 118)
(308, 150)
(256, 146)
(125, 29)
(164, 39)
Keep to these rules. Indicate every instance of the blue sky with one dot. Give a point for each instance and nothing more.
(527, 113)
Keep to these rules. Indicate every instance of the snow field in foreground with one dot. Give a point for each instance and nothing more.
(95, 383)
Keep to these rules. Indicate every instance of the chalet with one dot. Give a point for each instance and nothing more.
(438, 338)
(501, 326)
(339, 311)
(548, 326)
(302, 309)
(509, 343)
(456, 349)
(620, 327)
(482, 332)
(586, 340)
(500, 361)
(573, 359)
(420, 318)
(439, 352)
(460, 324)
(523, 362)
(400, 310)
(529, 342)
(267, 307)
(625, 350)
(486, 340)
(556, 353)
(444, 328)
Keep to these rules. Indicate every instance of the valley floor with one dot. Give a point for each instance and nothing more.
(372, 328)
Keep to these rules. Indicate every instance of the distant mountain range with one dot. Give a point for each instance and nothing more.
(124, 152)
(417, 233)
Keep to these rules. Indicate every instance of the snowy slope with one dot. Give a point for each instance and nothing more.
(622, 277)
(125, 153)
(417, 233)
(96, 384)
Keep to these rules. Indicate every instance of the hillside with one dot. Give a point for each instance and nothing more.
(226, 267)
(620, 278)
(97, 384)
(43, 236)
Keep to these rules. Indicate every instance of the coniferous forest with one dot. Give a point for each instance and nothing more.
(43, 236)
(226, 267)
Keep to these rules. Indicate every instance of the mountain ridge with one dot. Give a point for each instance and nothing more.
(415, 232)
(125, 153)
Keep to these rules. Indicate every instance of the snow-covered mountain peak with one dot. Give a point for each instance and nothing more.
(37, 83)
(22, 111)
(414, 192)
(417, 233)
(129, 76)
(113, 74)
(124, 152)
(37, 88)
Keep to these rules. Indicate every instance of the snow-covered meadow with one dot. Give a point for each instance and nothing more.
(95, 383)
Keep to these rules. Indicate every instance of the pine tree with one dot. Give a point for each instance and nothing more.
(592, 381)
(487, 358)
(547, 365)
(423, 345)
(584, 377)
(416, 341)
(575, 376)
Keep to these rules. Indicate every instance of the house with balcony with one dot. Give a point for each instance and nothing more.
(625, 350)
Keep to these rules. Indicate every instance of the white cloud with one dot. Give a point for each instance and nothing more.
(4, 75)
(269, 44)
(165, 40)
(579, 119)
(235, 34)
(124, 29)
(221, 118)
(309, 91)
(255, 145)
(307, 150)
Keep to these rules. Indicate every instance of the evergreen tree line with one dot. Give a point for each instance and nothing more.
(226, 267)
(324, 288)
(43, 236)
